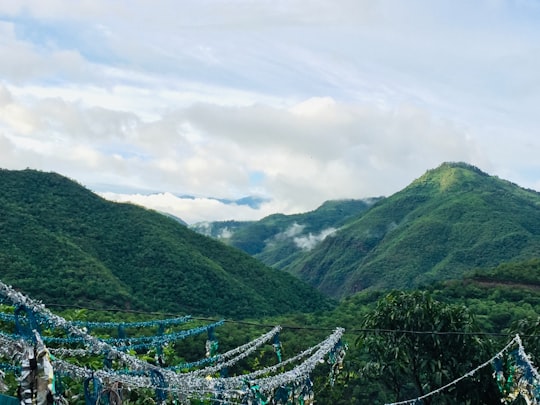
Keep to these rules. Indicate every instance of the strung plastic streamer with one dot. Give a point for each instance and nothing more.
(189, 385)
(77, 372)
(7, 317)
(92, 389)
(121, 332)
(141, 342)
(58, 386)
(126, 325)
(505, 383)
(211, 343)
(159, 381)
(231, 354)
(282, 396)
(307, 396)
(37, 374)
(25, 328)
(526, 379)
(161, 340)
(227, 363)
(254, 396)
(108, 360)
(277, 347)
(335, 359)
(272, 369)
(94, 344)
(302, 371)
(159, 348)
(235, 386)
(10, 348)
(8, 344)
(228, 358)
(3, 386)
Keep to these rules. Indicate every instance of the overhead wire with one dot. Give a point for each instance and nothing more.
(308, 328)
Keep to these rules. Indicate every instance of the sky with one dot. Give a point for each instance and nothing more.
(189, 107)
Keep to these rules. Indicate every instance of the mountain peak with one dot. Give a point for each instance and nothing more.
(450, 220)
(450, 176)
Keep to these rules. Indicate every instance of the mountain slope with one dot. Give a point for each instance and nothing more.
(279, 239)
(63, 244)
(452, 219)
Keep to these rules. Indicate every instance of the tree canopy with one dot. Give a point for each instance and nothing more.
(415, 344)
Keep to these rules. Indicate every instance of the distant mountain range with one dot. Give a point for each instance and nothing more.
(63, 244)
(452, 219)
(279, 239)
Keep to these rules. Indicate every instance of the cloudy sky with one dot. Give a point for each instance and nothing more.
(185, 106)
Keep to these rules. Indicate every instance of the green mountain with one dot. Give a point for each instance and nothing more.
(278, 240)
(63, 244)
(452, 219)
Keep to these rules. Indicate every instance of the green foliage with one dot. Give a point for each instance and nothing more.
(500, 296)
(65, 245)
(452, 219)
(413, 364)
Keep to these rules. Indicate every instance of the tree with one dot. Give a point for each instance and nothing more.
(415, 344)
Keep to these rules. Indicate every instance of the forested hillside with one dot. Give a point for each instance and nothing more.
(450, 220)
(278, 240)
(61, 243)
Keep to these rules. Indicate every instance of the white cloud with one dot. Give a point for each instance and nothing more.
(293, 102)
(225, 233)
(308, 242)
(194, 210)
(317, 150)
(294, 230)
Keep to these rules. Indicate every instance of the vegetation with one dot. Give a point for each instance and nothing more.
(500, 297)
(371, 356)
(65, 245)
(276, 240)
(413, 364)
(450, 220)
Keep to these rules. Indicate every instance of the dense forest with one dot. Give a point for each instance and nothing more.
(61, 243)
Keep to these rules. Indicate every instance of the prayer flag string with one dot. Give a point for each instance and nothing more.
(196, 384)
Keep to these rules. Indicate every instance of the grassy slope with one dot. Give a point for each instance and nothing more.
(63, 244)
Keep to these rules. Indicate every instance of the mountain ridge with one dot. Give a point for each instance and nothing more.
(451, 219)
(62, 243)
